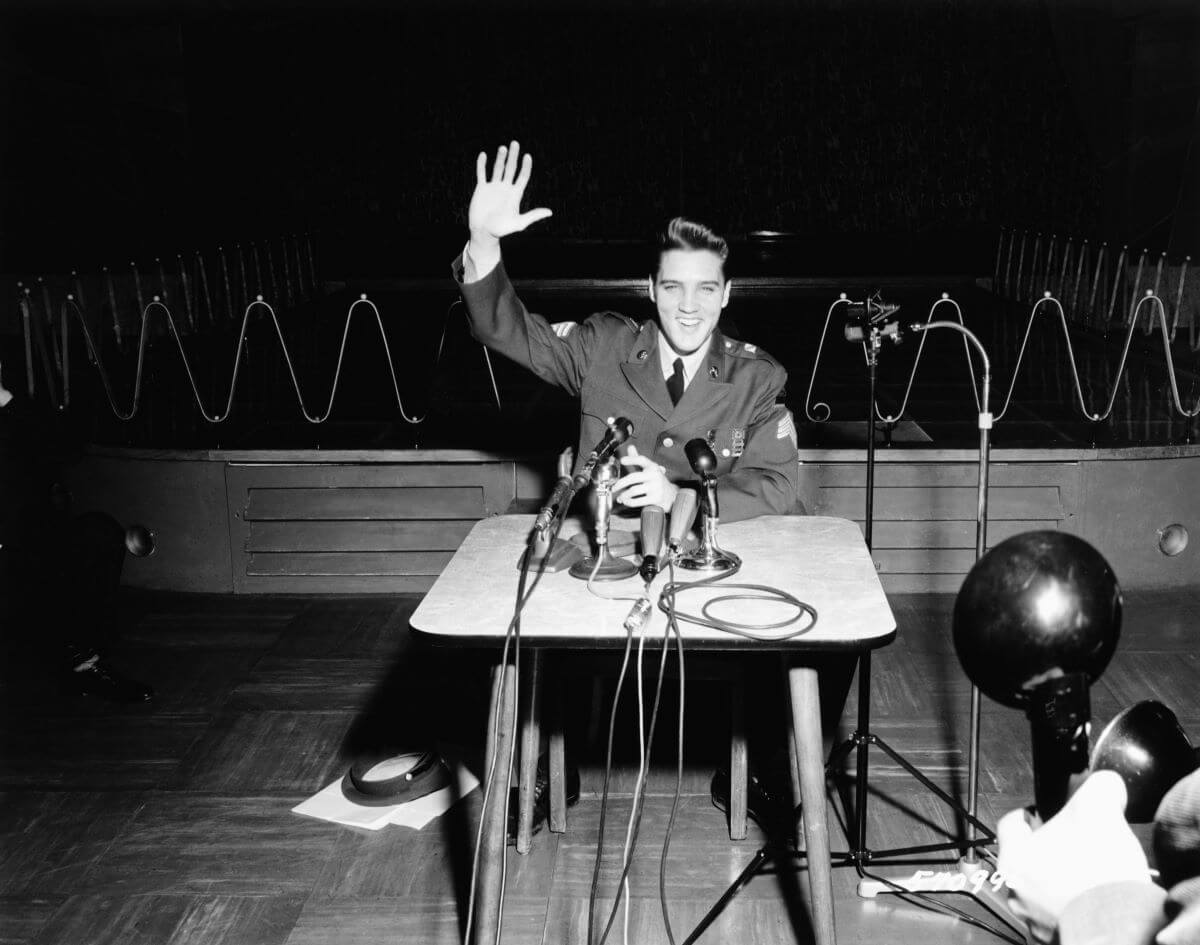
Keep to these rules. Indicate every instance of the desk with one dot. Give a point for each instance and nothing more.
(823, 561)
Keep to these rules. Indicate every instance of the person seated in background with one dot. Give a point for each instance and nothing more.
(676, 379)
(1083, 878)
(59, 574)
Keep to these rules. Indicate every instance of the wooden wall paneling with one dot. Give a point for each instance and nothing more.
(918, 504)
(381, 563)
(355, 527)
(441, 535)
(924, 529)
(272, 502)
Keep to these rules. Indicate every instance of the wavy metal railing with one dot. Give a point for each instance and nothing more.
(1061, 267)
(1149, 299)
(828, 412)
(57, 361)
(1089, 414)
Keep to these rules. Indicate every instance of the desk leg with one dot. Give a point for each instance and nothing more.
(806, 724)
(495, 814)
(531, 683)
(558, 758)
(739, 771)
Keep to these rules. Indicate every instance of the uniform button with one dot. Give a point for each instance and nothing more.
(724, 452)
(667, 441)
(642, 355)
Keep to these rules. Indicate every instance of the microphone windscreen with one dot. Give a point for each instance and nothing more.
(703, 460)
(621, 429)
(683, 513)
(654, 521)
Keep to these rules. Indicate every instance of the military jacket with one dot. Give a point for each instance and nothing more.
(611, 363)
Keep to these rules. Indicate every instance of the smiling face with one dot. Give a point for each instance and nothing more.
(689, 290)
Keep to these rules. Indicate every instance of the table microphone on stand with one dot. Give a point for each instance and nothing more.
(602, 566)
(708, 556)
(545, 551)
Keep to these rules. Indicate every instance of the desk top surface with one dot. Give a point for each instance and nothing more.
(822, 561)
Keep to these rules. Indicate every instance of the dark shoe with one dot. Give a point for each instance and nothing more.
(766, 806)
(541, 797)
(97, 678)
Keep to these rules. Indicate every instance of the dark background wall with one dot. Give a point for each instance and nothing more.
(862, 126)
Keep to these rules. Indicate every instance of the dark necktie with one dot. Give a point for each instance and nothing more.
(675, 382)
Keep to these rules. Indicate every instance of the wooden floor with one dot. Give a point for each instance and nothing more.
(173, 824)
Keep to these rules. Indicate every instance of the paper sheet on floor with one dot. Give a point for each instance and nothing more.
(331, 804)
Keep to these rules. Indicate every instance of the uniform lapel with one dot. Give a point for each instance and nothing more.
(644, 373)
(709, 387)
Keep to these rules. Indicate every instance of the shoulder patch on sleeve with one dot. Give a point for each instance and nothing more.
(786, 427)
(751, 352)
(615, 321)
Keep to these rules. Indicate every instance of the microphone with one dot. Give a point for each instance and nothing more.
(653, 520)
(861, 316)
(603, 478)
(560, 498)
(708, 556)
(701, 457)
(619, 430)
(683, 513)
(704, 464)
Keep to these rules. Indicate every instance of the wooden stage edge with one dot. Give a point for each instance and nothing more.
(388, 521)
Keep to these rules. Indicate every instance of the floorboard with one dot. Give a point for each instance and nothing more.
(172, 823)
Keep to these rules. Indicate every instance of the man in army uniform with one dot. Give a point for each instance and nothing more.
(675, 380)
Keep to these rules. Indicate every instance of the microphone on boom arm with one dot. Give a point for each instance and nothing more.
(871, 317)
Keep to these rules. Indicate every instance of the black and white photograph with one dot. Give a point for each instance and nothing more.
(599, 472)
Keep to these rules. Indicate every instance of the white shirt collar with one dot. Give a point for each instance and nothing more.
(691, 362)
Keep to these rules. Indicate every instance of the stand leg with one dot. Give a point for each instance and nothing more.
(806, 721)
(558, 761)
(739, 774)
(531, 741)
(793, 768)
(491, 854)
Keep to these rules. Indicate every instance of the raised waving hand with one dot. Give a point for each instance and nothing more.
(495, 208)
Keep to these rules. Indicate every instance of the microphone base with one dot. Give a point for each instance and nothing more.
(708, 558)
(610, 569)
(557, 556)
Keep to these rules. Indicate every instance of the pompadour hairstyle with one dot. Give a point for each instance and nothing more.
(682, 233)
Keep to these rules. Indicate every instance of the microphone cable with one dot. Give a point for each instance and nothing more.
(512, 635)
(612, 722)
(761, 592)
(672, 629)
(639, 805)
(639, 782)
